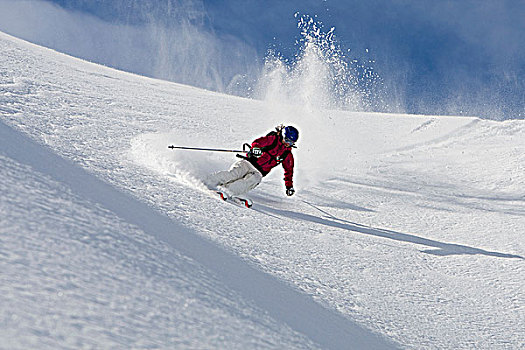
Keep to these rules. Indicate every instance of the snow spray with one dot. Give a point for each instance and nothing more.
(308, 90)
(321, 75)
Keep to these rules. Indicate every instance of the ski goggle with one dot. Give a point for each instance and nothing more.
(289, 142)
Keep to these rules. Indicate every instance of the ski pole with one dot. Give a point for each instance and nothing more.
(209, 149)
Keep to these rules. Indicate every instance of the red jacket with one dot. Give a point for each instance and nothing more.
(275, 152)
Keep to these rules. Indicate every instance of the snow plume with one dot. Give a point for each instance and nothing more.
(186, 168)
(308, 90)
(321, 75)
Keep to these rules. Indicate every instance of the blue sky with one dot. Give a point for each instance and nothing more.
(434, 57)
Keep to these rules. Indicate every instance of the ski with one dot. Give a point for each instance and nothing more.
(245, 202)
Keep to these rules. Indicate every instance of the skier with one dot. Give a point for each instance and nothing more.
(266, 153)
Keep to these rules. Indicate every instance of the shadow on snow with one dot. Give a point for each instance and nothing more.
(441, 248)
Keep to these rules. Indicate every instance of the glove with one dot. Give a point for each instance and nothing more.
(255, 152)
(290, 191)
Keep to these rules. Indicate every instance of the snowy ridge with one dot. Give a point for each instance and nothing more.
(410, 226)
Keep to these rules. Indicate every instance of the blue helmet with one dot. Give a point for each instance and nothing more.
(291, 134)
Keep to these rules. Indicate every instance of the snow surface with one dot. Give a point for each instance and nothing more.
(405, 230)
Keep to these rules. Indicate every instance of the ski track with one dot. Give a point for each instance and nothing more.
(429, 256)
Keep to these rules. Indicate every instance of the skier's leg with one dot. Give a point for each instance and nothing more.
(245, 184)
(221, 178)
(249, 181)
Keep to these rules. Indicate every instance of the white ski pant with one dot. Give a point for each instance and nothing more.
(241, 178)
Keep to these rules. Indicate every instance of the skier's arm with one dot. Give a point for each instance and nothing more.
(288, 164)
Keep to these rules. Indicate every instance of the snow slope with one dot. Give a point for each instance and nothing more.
(76, 275)
(406, 229)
